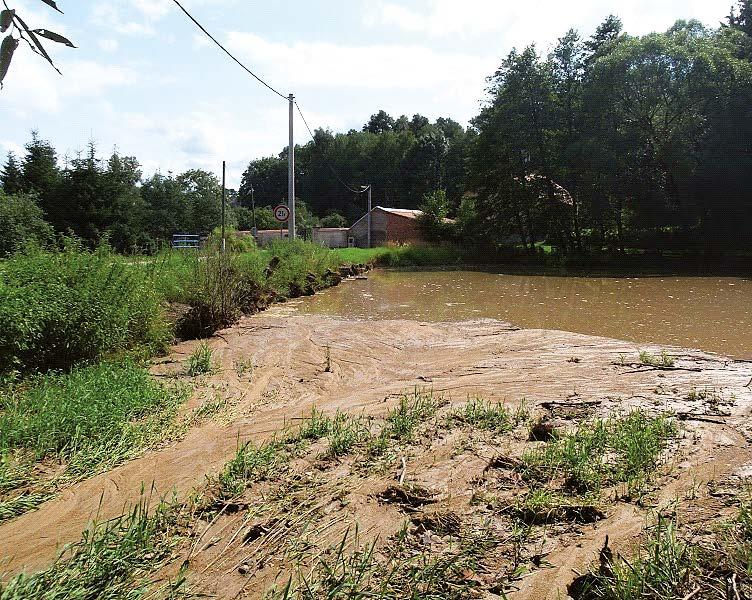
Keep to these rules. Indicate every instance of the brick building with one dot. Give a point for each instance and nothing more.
(388, 225)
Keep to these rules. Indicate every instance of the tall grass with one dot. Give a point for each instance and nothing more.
(87, 420)
(58, 309)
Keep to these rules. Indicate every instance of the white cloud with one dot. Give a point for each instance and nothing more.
(32, 85)
(153, 9)
(108, 44)
(110, 17)
(322, 64)
(542, 21)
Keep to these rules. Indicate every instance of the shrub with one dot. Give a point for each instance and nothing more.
(57, 309)
(21, 223)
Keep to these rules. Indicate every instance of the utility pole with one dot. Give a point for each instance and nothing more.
(369, 189)
(253, 209)
(224, 187)
(291, 173)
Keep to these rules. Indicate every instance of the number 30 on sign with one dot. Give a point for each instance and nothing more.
(282, 213)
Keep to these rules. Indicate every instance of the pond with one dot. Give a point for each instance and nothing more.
(708, 313)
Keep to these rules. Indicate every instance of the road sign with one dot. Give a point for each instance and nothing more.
(282, 213)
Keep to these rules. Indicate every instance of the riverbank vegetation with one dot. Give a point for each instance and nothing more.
(77, 326)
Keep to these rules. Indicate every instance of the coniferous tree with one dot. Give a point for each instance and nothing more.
(12, 176)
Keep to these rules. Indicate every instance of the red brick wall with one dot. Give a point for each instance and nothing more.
(403, 230)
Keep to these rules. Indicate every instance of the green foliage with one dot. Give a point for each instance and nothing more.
(200, 361)
(661, 570)
(114, 560)
(57, 309)
(603, 452)
(251, 463)
(92, 417)
(346, 432)
(334, 220)
(488, 415)
(664, 360)
(21, 224)
(411, 411)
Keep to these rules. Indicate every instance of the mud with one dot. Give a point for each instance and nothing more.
(297, 362)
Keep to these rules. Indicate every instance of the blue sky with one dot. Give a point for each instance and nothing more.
(145, 80)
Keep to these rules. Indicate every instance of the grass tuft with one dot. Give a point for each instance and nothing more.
(201, 361)
(114, 560)
(603, 452)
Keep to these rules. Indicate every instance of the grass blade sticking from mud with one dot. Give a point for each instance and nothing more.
(112, 561)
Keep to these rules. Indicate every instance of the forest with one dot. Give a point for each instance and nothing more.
(609, 142)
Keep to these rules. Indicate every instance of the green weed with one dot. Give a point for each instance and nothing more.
(58, 309)
(603, 452)
(412, 410)
(89, 419)
(664, 360)
(487, 415)
(346, 433)
(114, 560)
(662, 570)
(200, 361)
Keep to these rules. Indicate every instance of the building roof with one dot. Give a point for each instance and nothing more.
(402, 212)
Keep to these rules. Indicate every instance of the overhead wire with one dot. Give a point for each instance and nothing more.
(331, 168)
(226, 51)
(264, 83)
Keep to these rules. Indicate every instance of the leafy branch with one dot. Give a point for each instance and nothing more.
(19, 31)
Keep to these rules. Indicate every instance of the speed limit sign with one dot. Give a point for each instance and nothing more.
(282, 213)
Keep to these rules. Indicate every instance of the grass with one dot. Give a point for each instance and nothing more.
(403, 569)
(664, 360)
(200, 362)
(90, 419)
(488, 416)
(603, 452)
(114, 560)
(346, 433)
(412, 410)
(661, 570)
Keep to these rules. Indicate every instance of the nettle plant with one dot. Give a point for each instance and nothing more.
(18, 31)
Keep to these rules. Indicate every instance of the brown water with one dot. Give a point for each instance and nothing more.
(708, 313)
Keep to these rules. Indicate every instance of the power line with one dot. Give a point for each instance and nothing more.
(226, 51)
(326, 161)
(257, 78)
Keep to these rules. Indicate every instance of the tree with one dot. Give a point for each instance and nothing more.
(741, 17)
(168, 210)
(334, 219)
(203, 194)
(435, 209)
(379, 123)
(21, 223)
(12, 176)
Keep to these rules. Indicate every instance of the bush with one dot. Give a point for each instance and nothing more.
(57, 309)
(21, 224)
(221, 288)
(300, 266)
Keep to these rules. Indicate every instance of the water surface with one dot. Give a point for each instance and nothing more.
(709, 313)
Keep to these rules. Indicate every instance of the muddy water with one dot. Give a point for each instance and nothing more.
(708, 313)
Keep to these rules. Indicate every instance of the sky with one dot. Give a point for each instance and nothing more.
(144, 80)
